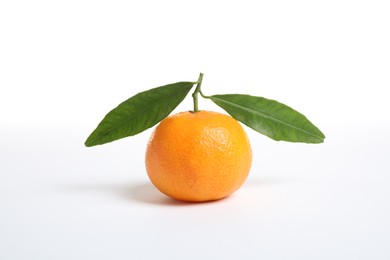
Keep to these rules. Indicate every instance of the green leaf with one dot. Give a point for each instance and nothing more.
(270, 118)
(139, 113)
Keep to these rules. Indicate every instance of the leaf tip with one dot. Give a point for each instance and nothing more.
(89, 142)
(86, 144)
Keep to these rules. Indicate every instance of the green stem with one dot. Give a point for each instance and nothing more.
(195, 95)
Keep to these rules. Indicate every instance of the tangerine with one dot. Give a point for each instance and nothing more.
(198, 156)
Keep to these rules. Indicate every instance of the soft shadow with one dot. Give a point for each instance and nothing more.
(139, 192)
(146, 193)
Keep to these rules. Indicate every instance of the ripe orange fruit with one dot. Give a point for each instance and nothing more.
(198, 156)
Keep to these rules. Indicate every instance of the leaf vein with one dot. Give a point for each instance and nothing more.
(131, 116)
(266, 115)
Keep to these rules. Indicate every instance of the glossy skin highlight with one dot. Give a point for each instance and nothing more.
(198, 156)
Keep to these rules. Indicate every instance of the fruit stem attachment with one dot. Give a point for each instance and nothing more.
(195, 95)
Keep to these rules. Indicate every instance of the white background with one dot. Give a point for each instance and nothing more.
(65, 64)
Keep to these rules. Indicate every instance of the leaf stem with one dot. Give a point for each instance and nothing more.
(203, 95)
(195, 95)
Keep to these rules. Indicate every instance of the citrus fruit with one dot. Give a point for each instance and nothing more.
(198, 156)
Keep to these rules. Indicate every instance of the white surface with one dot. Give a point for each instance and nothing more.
(60, 200)
(64, 65)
